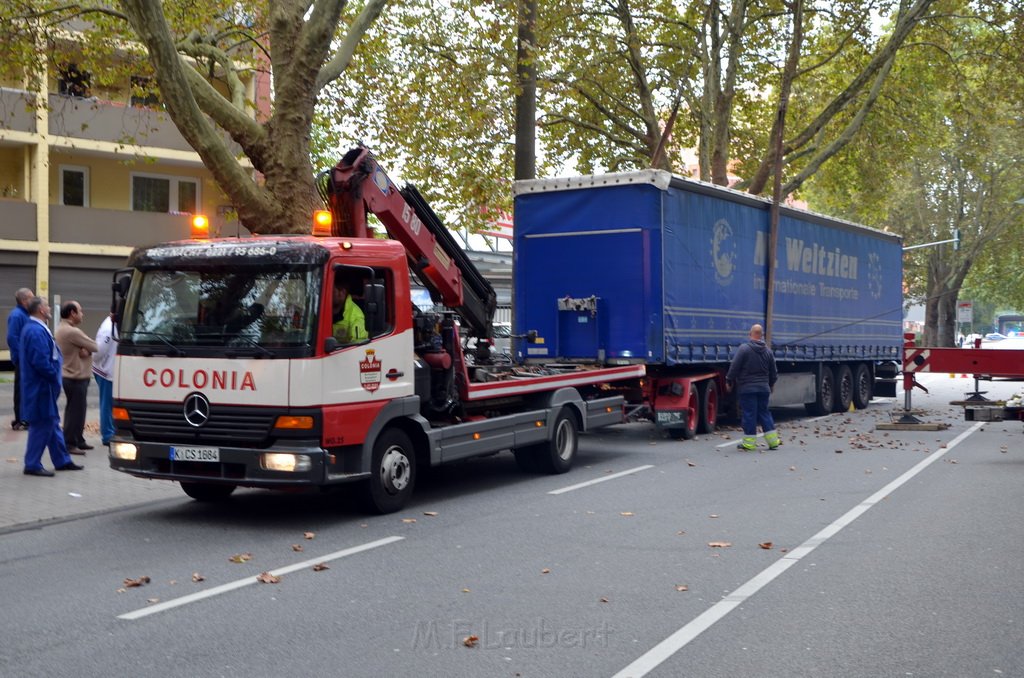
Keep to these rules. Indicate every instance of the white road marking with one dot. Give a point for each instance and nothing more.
(611, 476)
(248, 581)
(682, 637)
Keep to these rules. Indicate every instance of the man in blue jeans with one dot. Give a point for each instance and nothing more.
(752, 374)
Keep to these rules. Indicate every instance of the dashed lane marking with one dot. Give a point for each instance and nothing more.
(248, 581)
(602, 479)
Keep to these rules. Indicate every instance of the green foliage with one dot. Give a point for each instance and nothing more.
(430, 92)
(943, 149)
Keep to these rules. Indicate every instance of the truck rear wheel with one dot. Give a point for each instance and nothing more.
(689, 428)
(863, 387)
(708, 407)
(555, 455)
(207, 491)
(392, 473)
(844, 388)
(824, 396)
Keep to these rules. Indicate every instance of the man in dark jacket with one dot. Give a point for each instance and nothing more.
(752, 375)
(40, 364)
(15, 322)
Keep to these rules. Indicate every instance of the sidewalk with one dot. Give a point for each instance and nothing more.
(27, 500)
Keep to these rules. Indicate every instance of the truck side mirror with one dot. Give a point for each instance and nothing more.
(119, 288)
(375, 308)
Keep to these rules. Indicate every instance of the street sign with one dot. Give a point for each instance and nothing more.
(964, 312)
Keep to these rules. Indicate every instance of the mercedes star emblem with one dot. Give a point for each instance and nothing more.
(197, 410)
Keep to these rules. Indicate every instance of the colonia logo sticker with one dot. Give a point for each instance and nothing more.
(369, 371)
(723, 252)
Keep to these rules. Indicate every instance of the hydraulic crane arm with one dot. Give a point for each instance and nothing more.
(440, 264)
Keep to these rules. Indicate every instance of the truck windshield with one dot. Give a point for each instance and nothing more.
(251, 311)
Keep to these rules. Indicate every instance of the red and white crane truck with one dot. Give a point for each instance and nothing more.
(228, 373)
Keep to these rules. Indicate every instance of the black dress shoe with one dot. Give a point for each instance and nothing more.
(43, 472)
(19, 425)
(84, 446)
(70, 466)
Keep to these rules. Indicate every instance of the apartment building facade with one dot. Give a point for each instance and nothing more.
(89, 171)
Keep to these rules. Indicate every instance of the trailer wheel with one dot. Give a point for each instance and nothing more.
(689, 428)
(825, 395)
(207, 491)
(844, 388)
(708, 407)
(862, 386)
(392, 473)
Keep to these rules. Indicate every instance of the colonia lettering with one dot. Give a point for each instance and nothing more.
(215, 380)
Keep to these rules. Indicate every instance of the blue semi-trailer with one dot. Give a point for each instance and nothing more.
(645, 267)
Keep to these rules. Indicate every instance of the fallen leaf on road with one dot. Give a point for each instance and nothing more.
(320, 567)
(310, 535)
(602, 599)
(408, 520)
(470, 641)
(546, 570)
(152, 600)
(432, 514)
(626, 513)
(297, 548)
(713, 515)
(267, 578)
(241, 558)
(767, 545)
(465, 590)
(132, 583)
(682, 587)
(719, 544)
(196, 577)
(690, 463)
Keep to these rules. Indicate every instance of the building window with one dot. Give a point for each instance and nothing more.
(143, 93)
(73, 82)
(157, 193)
(74, 185)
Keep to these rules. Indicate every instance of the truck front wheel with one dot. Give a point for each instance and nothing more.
(207, 491)
(392, 473)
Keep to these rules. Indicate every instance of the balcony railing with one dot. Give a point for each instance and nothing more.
(17, 110)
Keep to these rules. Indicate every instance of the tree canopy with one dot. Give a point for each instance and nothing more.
(202, 52)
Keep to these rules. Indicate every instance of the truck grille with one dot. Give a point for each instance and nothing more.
(226, 426)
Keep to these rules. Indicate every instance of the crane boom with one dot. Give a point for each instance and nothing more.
(440, 264)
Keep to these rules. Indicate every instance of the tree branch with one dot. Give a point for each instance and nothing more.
(149, 23)
(340, 61)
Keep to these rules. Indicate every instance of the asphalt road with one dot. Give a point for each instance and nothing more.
(884, 554)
